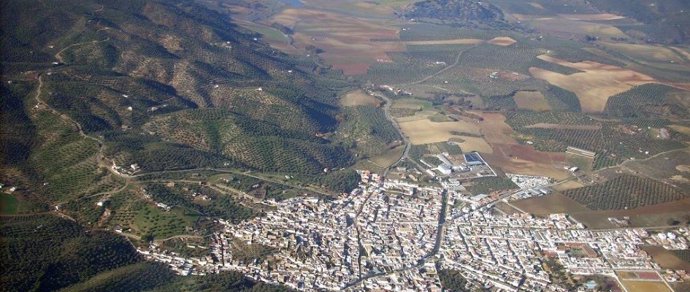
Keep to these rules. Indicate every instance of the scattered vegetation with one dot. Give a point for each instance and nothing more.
(625, 192)
(453, 281)
(491, 184)
(48, 253)
(644, 101)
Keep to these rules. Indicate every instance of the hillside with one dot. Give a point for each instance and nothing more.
(47, 253)
(89, 83)
(462, 12)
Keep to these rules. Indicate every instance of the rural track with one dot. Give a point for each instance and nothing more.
(221, 170)
(451, 66)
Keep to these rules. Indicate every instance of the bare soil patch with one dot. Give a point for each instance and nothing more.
(511, 156)
(645, 286)
(595, 84)
(592, 17)
(358, 98)
(424, 131)
(551, 204)
(531, 100)
(445, 42)
(347, 41)
(666, 259)
(564, 127)
(502, 41)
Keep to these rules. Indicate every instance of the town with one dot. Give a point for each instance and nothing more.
(395, 235)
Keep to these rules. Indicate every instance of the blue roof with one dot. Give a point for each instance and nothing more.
(472, 157)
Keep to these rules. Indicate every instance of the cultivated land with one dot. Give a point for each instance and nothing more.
(531, 100)
(161, 121)
(359, 98)
(514, 157)
(595, 84)
(667, 259)
(644, 286)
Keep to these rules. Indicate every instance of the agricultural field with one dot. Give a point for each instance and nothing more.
(646, 101)
(551, 204)
(425, 131)
(669, 259)
(342, 38)
(359, 98)
(595, 84)
(672, 168)
(531, 100)
(644, 286)
(514, 157)
(555, 131)
(626, 192)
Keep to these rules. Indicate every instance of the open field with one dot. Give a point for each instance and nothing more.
(626, 192)
(592, 17)
(563, 127)
(670, 168)
(551, 204)
(646, 52)
(567, 185)
(502, 41)
(638, 275)
(531, 100)
(655, 215)
(424, 131)
(513, 157)
(645, 286)
(575, 25)
(389, 157)
(595, 84)
(667, 259)
(345, 40)
(443, 42)
(681, 129)
(358, 98)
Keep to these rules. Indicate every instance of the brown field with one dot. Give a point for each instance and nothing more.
(645, 52)
(595, 84)
(389, 157)
(568, 185)
(468, 144)
(666, 259)
(536, 5)
(424, 131)
(502, 41)
(645, 286)
(346, 40)
(513, 157)
(564, 27)
(531, 100)
(359, 97)
(683, 52)
(655, 215)
(681, 129)
(592, 17)
(564, 127)
(551, 204)
(638, 275)
(443, 42)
